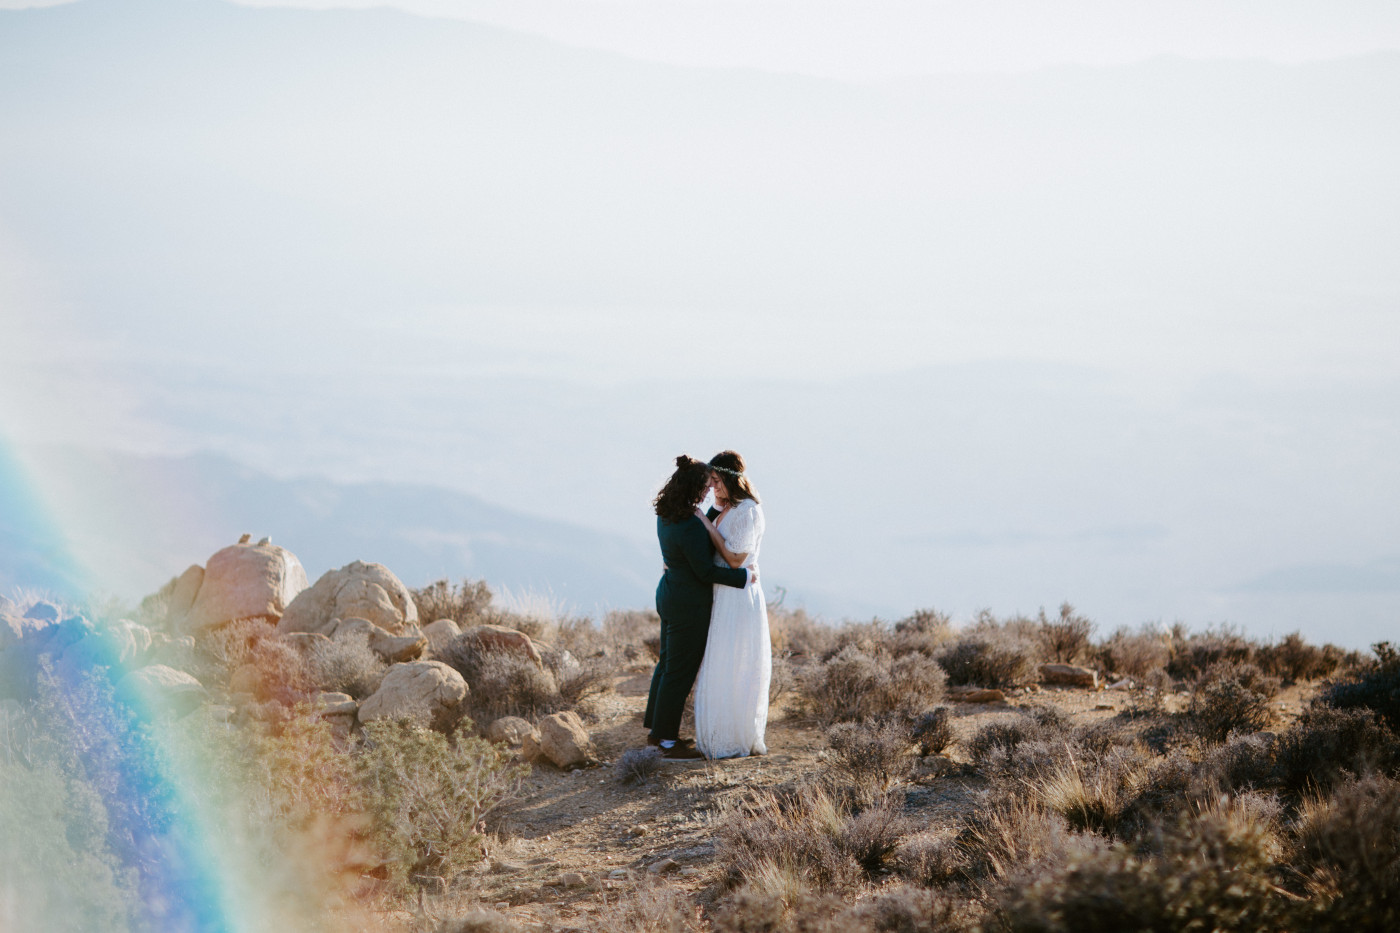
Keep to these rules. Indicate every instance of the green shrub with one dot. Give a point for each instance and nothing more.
(427, 795)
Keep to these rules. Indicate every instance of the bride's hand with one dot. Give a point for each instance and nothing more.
(700, 514)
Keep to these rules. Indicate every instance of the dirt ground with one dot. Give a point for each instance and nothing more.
(578, 840)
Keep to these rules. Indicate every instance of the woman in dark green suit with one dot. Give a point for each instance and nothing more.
(683, 599)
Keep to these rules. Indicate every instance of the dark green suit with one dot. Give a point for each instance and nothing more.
(683, 599)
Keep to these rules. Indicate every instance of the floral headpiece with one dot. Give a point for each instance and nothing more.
(734, 473)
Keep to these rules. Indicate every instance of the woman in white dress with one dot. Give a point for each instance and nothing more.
(731, 690)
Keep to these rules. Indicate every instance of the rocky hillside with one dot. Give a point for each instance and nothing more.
(250, 749)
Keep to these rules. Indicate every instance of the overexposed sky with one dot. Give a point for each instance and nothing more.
(873, 39)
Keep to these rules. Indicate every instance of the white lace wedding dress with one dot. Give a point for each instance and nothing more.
(731, 690)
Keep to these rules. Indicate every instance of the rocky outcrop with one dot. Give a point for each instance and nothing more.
(427, 692)
(358, 590)
(244, 581)
(562, 740)
(161, 688)
(1068, 675)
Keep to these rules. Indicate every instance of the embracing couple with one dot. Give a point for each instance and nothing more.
(714, 620)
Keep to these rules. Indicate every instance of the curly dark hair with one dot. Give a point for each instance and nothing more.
(683, 491)
(738, 487)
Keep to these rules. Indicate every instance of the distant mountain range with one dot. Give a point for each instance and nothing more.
(132, 522)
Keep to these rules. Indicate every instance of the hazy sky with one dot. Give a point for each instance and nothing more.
(1125, 333)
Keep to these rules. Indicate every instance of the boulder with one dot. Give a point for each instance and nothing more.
(564, 741)
(427, 692)
(506, 640)
(392, 648)
(511, 730)
(185, 590)
(336, 704)
(161, 688)
(441, 633)
(245, 581)
(1068, 675)
(357, 590)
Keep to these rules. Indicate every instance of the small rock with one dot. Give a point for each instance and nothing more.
(664, 866)
(1104, 706)
(1068, 675)
(564, 740)
(392, 648)
(502, 867)
(337, 704)
(1125, 684)
(618, 874)
(689, 871)
(510, 730)
(572, 879)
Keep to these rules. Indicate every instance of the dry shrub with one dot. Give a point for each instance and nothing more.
(1212, 871)
(655, 908)
(925, 632)
(1375, 687)
(346, 665)
(467, 603)
(905, 909)
(1094, 796)
(809, 837)
(933, 731)
(1351, 843)
(626, 633)
(794, 632)
(1292, 659)
(1136, 653)
(638, 765)
(230, 646)
(777, 835)
(855, 686)
(428, 796)
(479, 920)
(783, 678)
(1326, 745)
(284, 675)
(1232, 697)
(987, 661)
(1067, 638)
(1034, 743)
(1012, 836)
(873, 756)
(931, 859)
(507, 684)
(1193, 655)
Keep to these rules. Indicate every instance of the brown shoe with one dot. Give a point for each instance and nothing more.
(682, 751)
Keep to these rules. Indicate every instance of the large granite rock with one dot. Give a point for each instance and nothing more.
(244, 581)
(358, 590)
(427, 692)
(511, 730)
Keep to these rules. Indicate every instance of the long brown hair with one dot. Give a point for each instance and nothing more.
(683, 491)
(737, 487)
